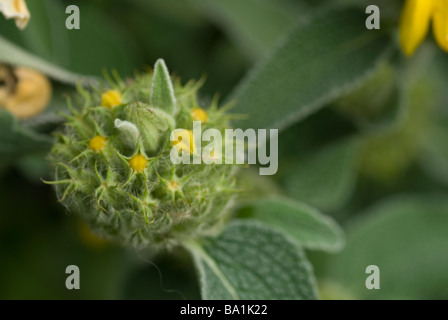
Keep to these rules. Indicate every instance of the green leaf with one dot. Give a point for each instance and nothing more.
(325, 179)
(162, 92)
(435, 156)
(34, 167)
(102, 269)
(253, 25)
(387, 155)
(407, 238)
(304, 224)
(251, 261)
(16, 140)
(304, 138)
(86, 50)
(45, 35)
(103, 42)
(180, 11)
(378, 105)
(322, 59)
(12, 54)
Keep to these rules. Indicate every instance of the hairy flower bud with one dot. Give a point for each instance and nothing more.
(112, 164)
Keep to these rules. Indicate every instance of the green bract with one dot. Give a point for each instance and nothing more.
(112, 164)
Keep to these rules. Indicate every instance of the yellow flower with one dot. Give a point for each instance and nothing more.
(16, 9)
(25, 92)
(138, 163)
(415, 22)
(199, 114)
(97, 143)
(187, 142)
(111, 99)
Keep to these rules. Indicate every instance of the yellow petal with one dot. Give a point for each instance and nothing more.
(440, 24)
(16, 9)
(415, 23)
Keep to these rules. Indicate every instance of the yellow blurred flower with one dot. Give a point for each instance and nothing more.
(16, 9)
(199, 114)
(415, 22)
(24, 92)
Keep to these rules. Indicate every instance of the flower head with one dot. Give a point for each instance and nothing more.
(111, 99)
(97, 143)
(415, 21)
(138, 163)
(112, 164)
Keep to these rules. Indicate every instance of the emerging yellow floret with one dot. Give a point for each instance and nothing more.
(173, 185)
(187, 142)
(138, 163)
(97, 143)
(415, 22)
(199, 114)
(111, 98)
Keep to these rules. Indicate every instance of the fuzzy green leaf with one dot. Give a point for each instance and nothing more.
(306, 225)
(407, 238)
(325, 179)
(16, 140)
(162, 92)
(322, 59)
(12, 54)
(378, 105)
(249, 260)
(253, 25)
(435, 157)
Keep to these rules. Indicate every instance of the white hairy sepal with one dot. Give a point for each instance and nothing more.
(129, 133)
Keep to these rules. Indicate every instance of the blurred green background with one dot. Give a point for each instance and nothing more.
(376, 160)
